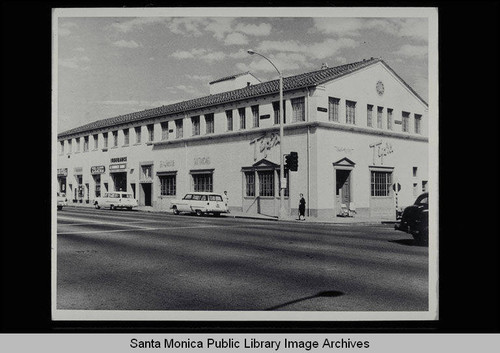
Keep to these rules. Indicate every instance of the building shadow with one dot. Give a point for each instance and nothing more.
(325, 294)
(408, 242)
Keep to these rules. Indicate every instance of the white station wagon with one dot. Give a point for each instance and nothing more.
(116, 199)
(200, 203)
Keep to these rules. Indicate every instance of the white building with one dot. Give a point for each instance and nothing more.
(358, 129)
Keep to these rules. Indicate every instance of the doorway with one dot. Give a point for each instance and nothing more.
(120, 181)
(343, 195)
(146, 193)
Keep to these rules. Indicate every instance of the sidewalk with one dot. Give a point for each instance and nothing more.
(239, 214)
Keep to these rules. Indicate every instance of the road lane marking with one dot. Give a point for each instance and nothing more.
(87, 222)
(149, 228)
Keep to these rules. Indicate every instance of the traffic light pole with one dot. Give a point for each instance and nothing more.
(282, 211)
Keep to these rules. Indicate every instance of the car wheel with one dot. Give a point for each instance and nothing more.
(175, 210)
(59, 208)
(199, 213)
(217, 214)
(111, 207)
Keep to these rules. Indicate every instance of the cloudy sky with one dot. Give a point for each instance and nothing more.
(108, 66)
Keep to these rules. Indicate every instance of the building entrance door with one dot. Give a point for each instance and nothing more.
(342, 190)
(146, 191)
(120, 181)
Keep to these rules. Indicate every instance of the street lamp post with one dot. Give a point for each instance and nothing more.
(282, 210)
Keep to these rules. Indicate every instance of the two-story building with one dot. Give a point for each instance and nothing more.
(358, 129)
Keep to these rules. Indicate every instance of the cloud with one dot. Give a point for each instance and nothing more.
(194, 91)
(262, 29)
(213, 56)
(187, 25)
(182, 54)
(126, 44)
(338, 26)
(413, 51)
(236, 39)
(206, 78)
(75, 62)
(414, 28)
(136, 23)
(284, 62)
(219, 26)
(318, 50)
(240, 54)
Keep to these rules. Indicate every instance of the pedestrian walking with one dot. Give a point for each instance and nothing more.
(302, 208)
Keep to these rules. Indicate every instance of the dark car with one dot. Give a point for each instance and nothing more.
(415, 219)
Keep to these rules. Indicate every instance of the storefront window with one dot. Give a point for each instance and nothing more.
(266, 183)
(381, 183)
(203, 182)
(167, 185)
(250, 183)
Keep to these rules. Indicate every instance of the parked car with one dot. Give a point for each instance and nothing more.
(61, 200)
(200, 203)
(116, 199)
(415, 219)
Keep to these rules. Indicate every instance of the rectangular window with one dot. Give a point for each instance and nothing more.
(146, 172)
(276, 110)
(138, 134)
(229, 118)
(415, 169)
(243, 118)
(164, 130)
(178, 129)
(255, 115)
(69, 146)
(167, 185)
(381, 183)
(203, 182)
(85, 144)
(126, 137)
(406, 121)
(380, 110)
(96, 141)
(105, 137)
(115, 138)
(77, 149)
(418, 123)
(350, 112)
(266, 183)
(61, 147)
(424, 186)
(195, 123)
(369, 115)
(250, 183)
(298, 109)
(389, 119)
(209, 122)
(151, 132)
(333, 109)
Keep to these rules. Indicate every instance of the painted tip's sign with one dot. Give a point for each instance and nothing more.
(98, 169)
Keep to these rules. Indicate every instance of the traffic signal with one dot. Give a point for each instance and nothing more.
(292, 161)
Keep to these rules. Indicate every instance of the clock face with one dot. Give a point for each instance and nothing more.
(380, 88)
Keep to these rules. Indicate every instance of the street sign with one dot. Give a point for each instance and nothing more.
(396, 187)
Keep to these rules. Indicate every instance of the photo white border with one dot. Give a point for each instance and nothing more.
(141, 315)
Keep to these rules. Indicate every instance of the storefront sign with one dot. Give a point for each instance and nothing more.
(118, 159)
(380, 150)
(78, 170)
(321, 109)
(98, 169)
(62, 171)
(267, 116)
(167, 164)
(117, 167)
(264, 144)
(202, 161)
(343, 149)
(398, 122)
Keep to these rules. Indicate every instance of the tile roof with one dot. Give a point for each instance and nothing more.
(289, 83)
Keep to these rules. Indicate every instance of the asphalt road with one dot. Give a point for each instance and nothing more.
(130, 260)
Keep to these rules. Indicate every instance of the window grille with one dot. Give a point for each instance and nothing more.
(203, 182)
(250, 183)
(381, 183)
(333, 109)
(167, 185)
(266, 183)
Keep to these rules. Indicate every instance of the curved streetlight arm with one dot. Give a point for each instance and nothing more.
(251, 52)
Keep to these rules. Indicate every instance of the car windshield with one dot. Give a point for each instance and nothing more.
(127, 196)
(215, 198)
(188, 197)
(422, 200)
